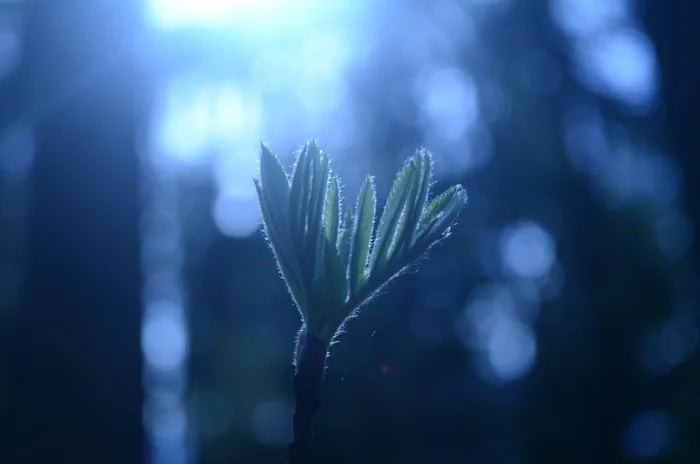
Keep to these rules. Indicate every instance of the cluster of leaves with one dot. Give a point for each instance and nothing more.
(333, 263)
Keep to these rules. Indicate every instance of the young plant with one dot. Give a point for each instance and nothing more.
(333, 262)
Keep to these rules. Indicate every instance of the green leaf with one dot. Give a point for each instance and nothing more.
(298, 202)
(440, 215)
(332, 269)
(275, 187)
(389, 224)
(319, 283)
(317, 199)
(337, 283)
(424, 163)
(436, 205)
(286, 263)
(332, 212)
(362, 234)
(344, 239)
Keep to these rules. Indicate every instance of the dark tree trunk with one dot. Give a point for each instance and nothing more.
(75, 371)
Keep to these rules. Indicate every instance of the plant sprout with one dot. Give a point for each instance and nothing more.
(333, 262)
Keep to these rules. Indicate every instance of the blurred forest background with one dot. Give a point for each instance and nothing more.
(141, 315)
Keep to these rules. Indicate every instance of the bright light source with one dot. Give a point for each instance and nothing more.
(170, 13)
(237, 14)
(197, 117)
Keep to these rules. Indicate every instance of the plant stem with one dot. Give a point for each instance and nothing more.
(310, 361)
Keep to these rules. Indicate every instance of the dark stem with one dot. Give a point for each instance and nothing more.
(310, 361)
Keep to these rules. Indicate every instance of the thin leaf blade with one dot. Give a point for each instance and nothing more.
(344, 239)
(298, 192)
(442, 213)
(424, 163)
(275, 187)
(285, 262)
(332, 212)
(362, 234)
(317, 199)
(337, 283)
(389, 225)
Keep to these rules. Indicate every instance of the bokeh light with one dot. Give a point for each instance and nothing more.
(164, 338)
(527, 250)
(670, 344)
(10, 45)
(448, 100)
(164, 333)
(172, 14)
(495, 327)
(620, 64)
(583, 17)
(611, 55)
(649, 436)
(674, 233)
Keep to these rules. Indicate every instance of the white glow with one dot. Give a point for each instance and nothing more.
(174, 13)
(620, 64)
(237, 217)
(197, 118)
(449, 102)
(163, 336)
(165, 418)
(511, 348)
(584, 17)
(481, 313)
(494, 325)
(527, 250)
(320, 84)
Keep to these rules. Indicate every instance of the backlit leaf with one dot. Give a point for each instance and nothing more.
(362, 234)
(332, 212)
(443, 211)
(298, 201)
(317, 198)
(283, 255)
(424, 163)
(330, 264)
(275, 187)
(344, 239)
(389, 223)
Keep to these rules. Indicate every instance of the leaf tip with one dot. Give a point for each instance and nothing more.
(461, 195)
(265, 151)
